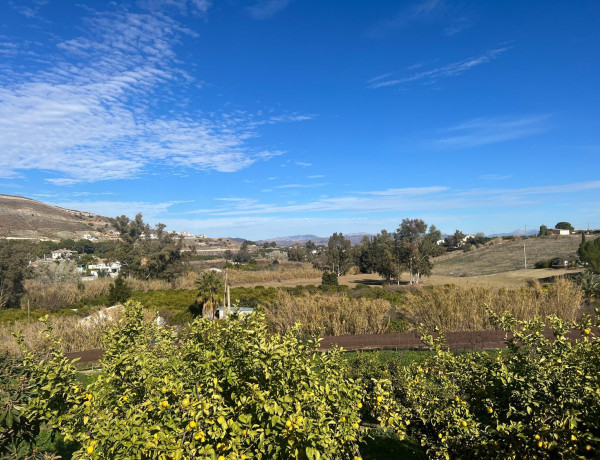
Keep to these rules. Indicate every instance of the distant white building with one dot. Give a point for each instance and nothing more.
(242, 311)
(111, 269)
(62, 254)
(561, 231)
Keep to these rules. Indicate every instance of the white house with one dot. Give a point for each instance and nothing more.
(62, 254)
(561, 231)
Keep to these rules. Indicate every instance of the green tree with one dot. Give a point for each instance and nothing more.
(329, 279)
(118, 291)
(13, 268)
(415, 246)
(564, 226)
(296, 253)
(145, 257)
(589, 252)
(210, 293)
(339, 254)
(456, 240)
(544, 231)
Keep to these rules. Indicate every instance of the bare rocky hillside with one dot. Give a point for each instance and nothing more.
(26, 218)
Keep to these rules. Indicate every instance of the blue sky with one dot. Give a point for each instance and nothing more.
(266, 118)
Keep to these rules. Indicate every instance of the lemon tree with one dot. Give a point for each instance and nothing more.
(221, 390)
(538, 399)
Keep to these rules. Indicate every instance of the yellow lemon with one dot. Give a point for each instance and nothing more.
(192, 424)
(288, 424)
(586, 331)
(359, 405)
(490, 410)
(185, 402)
(90, 450)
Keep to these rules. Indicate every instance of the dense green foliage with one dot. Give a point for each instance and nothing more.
(564, 226)
(118, 291)
(329, 279)
(538, 399)
(226, 390)
(13, 269)
(410, 249)
(589, 252)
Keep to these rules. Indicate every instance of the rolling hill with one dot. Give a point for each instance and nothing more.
(24, 218)
(507, 255)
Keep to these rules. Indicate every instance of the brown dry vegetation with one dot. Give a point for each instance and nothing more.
(453, 308)
(506, 255)
(55, 296)
(329, 314)
(285, 272)
(75, 334)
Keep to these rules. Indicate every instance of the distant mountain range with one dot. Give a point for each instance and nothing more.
(285, 241)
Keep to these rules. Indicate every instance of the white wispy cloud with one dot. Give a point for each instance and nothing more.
(453, 69)
(409, 199)
(450, 17)
(368, 210)
(482, 131)
(495, 176)
(265, 9)
(91, 115)
(415, 12)
(313, 185)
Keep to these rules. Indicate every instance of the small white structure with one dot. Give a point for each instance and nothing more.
(561, 231)
(111, 269)
(242, 311)
(62, 254)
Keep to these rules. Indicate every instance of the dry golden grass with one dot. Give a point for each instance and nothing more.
(285, 272)
(75, 335)
(53, 297)
(453, 308)
(329, 314)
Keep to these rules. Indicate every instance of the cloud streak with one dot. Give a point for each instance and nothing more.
(91, 115)
(453, 69)
(264, 9)
(483, 131)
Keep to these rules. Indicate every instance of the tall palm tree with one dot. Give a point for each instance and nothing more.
(210, 293)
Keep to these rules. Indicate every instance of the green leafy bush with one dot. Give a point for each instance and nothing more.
(227, 389)
(539, 399)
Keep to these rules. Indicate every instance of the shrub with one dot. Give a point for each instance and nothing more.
(539, 399)
(329, 279)
(544, 263)
(228, 390)
(119, 291)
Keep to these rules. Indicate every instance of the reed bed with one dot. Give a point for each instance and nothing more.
(75, 334)
(53, 297)
(329, 314)
(453, 308)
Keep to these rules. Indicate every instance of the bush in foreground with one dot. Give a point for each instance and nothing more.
(226, 390)
(539, 399)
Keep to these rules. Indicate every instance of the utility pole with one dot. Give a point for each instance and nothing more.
(524, 251)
